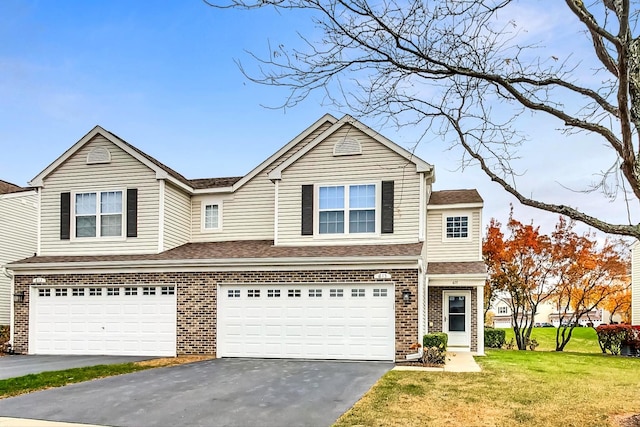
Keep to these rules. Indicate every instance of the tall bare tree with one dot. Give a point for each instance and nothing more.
(458, 67)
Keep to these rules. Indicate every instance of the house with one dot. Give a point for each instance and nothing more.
(635, 283)
(335, 247)
(18, 239)
(547, 313)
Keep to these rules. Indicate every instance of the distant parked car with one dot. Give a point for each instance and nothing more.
(543, 325)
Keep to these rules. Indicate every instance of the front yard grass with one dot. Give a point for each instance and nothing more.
(34, 382)
(514, 388)
(583, 340)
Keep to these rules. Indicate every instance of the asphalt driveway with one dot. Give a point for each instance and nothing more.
(19, 365)
(222, 392)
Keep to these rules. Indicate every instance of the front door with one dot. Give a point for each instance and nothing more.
(456, 320)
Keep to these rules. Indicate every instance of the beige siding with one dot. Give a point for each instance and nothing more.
(177, 217)
(635, 284)
(18, 238)
(440, 249)
(377, 163)
(248, 213)
(121, 173)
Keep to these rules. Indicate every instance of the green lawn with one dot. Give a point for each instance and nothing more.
(33, 382)
(520, 388)
(583, 340)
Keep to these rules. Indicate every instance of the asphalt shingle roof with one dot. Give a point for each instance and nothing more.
(452, 197)
(7, 187)
(475, 267)
(243, 249)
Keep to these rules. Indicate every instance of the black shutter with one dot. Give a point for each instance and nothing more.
(132, 212)
(65, 216)
(387, 206)
(307, 210)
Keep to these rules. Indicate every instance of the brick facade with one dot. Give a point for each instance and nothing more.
(197, 296)
(436, 307)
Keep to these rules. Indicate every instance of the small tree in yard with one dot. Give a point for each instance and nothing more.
(586, 275)
(520, 267)
(619, 303)
(572, 270)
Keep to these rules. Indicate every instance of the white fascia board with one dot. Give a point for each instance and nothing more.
(421, 165)
(458, 277)
(217, 190)
(217, 264)
(474, 205)
(326, 118)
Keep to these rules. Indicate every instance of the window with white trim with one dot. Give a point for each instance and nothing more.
(148, 290)
(502, 309)
(273, 293)
(233, 293)
(336, 293)
(315, 293)
(357, 292)
(347, 209)
(77, 292)
(44, 292)
(253, 293)
(457, 227)
(131, 291)
(211, 213)
(61, 292)
(380, 292)
(294, 293)
(98, 214)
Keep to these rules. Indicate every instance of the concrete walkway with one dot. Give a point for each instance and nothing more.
(461, 361)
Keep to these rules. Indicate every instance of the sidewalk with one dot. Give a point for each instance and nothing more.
(456, 362)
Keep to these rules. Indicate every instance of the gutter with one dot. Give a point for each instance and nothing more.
(408, 261)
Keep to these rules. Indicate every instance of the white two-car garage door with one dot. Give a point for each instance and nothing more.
(329, 321)
(103, 320)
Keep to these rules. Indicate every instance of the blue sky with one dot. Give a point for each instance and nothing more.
(162, 76)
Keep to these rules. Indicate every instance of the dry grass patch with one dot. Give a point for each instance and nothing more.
(515, 388)
(172, 361)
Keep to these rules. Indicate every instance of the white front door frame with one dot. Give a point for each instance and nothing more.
(457, 340)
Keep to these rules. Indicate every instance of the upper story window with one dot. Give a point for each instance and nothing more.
(502, 309)
(98, 214)
(457, 227)
(347, 209)
(211, 215)
(211, 218)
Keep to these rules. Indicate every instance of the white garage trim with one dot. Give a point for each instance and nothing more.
(136, 320)
(353, 321)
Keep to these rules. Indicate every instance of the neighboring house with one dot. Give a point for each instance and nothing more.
(18, 236)
(547, 313)
(335, 247)
(635, 283)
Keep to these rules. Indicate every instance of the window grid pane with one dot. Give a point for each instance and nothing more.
(332, 197)
(457, 226)
(331, 222)
(111, 225)
(111, 202)
(211, 216)
(362, 196)
(362, 221)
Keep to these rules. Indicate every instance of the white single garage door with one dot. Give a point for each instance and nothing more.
(337, 321)
(107, 320)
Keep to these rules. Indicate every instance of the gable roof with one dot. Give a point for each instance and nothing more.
(455, 197)
(231, 184)
(7, 187)
(421, 165)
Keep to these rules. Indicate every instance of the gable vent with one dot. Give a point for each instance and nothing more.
(98, 155)
(347, 147)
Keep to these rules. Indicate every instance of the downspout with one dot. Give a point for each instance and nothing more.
(11, 306)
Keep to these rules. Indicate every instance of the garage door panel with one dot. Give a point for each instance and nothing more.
(323, 322)
(116, 324)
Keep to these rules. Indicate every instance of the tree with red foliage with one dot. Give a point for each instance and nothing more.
(519, 267)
